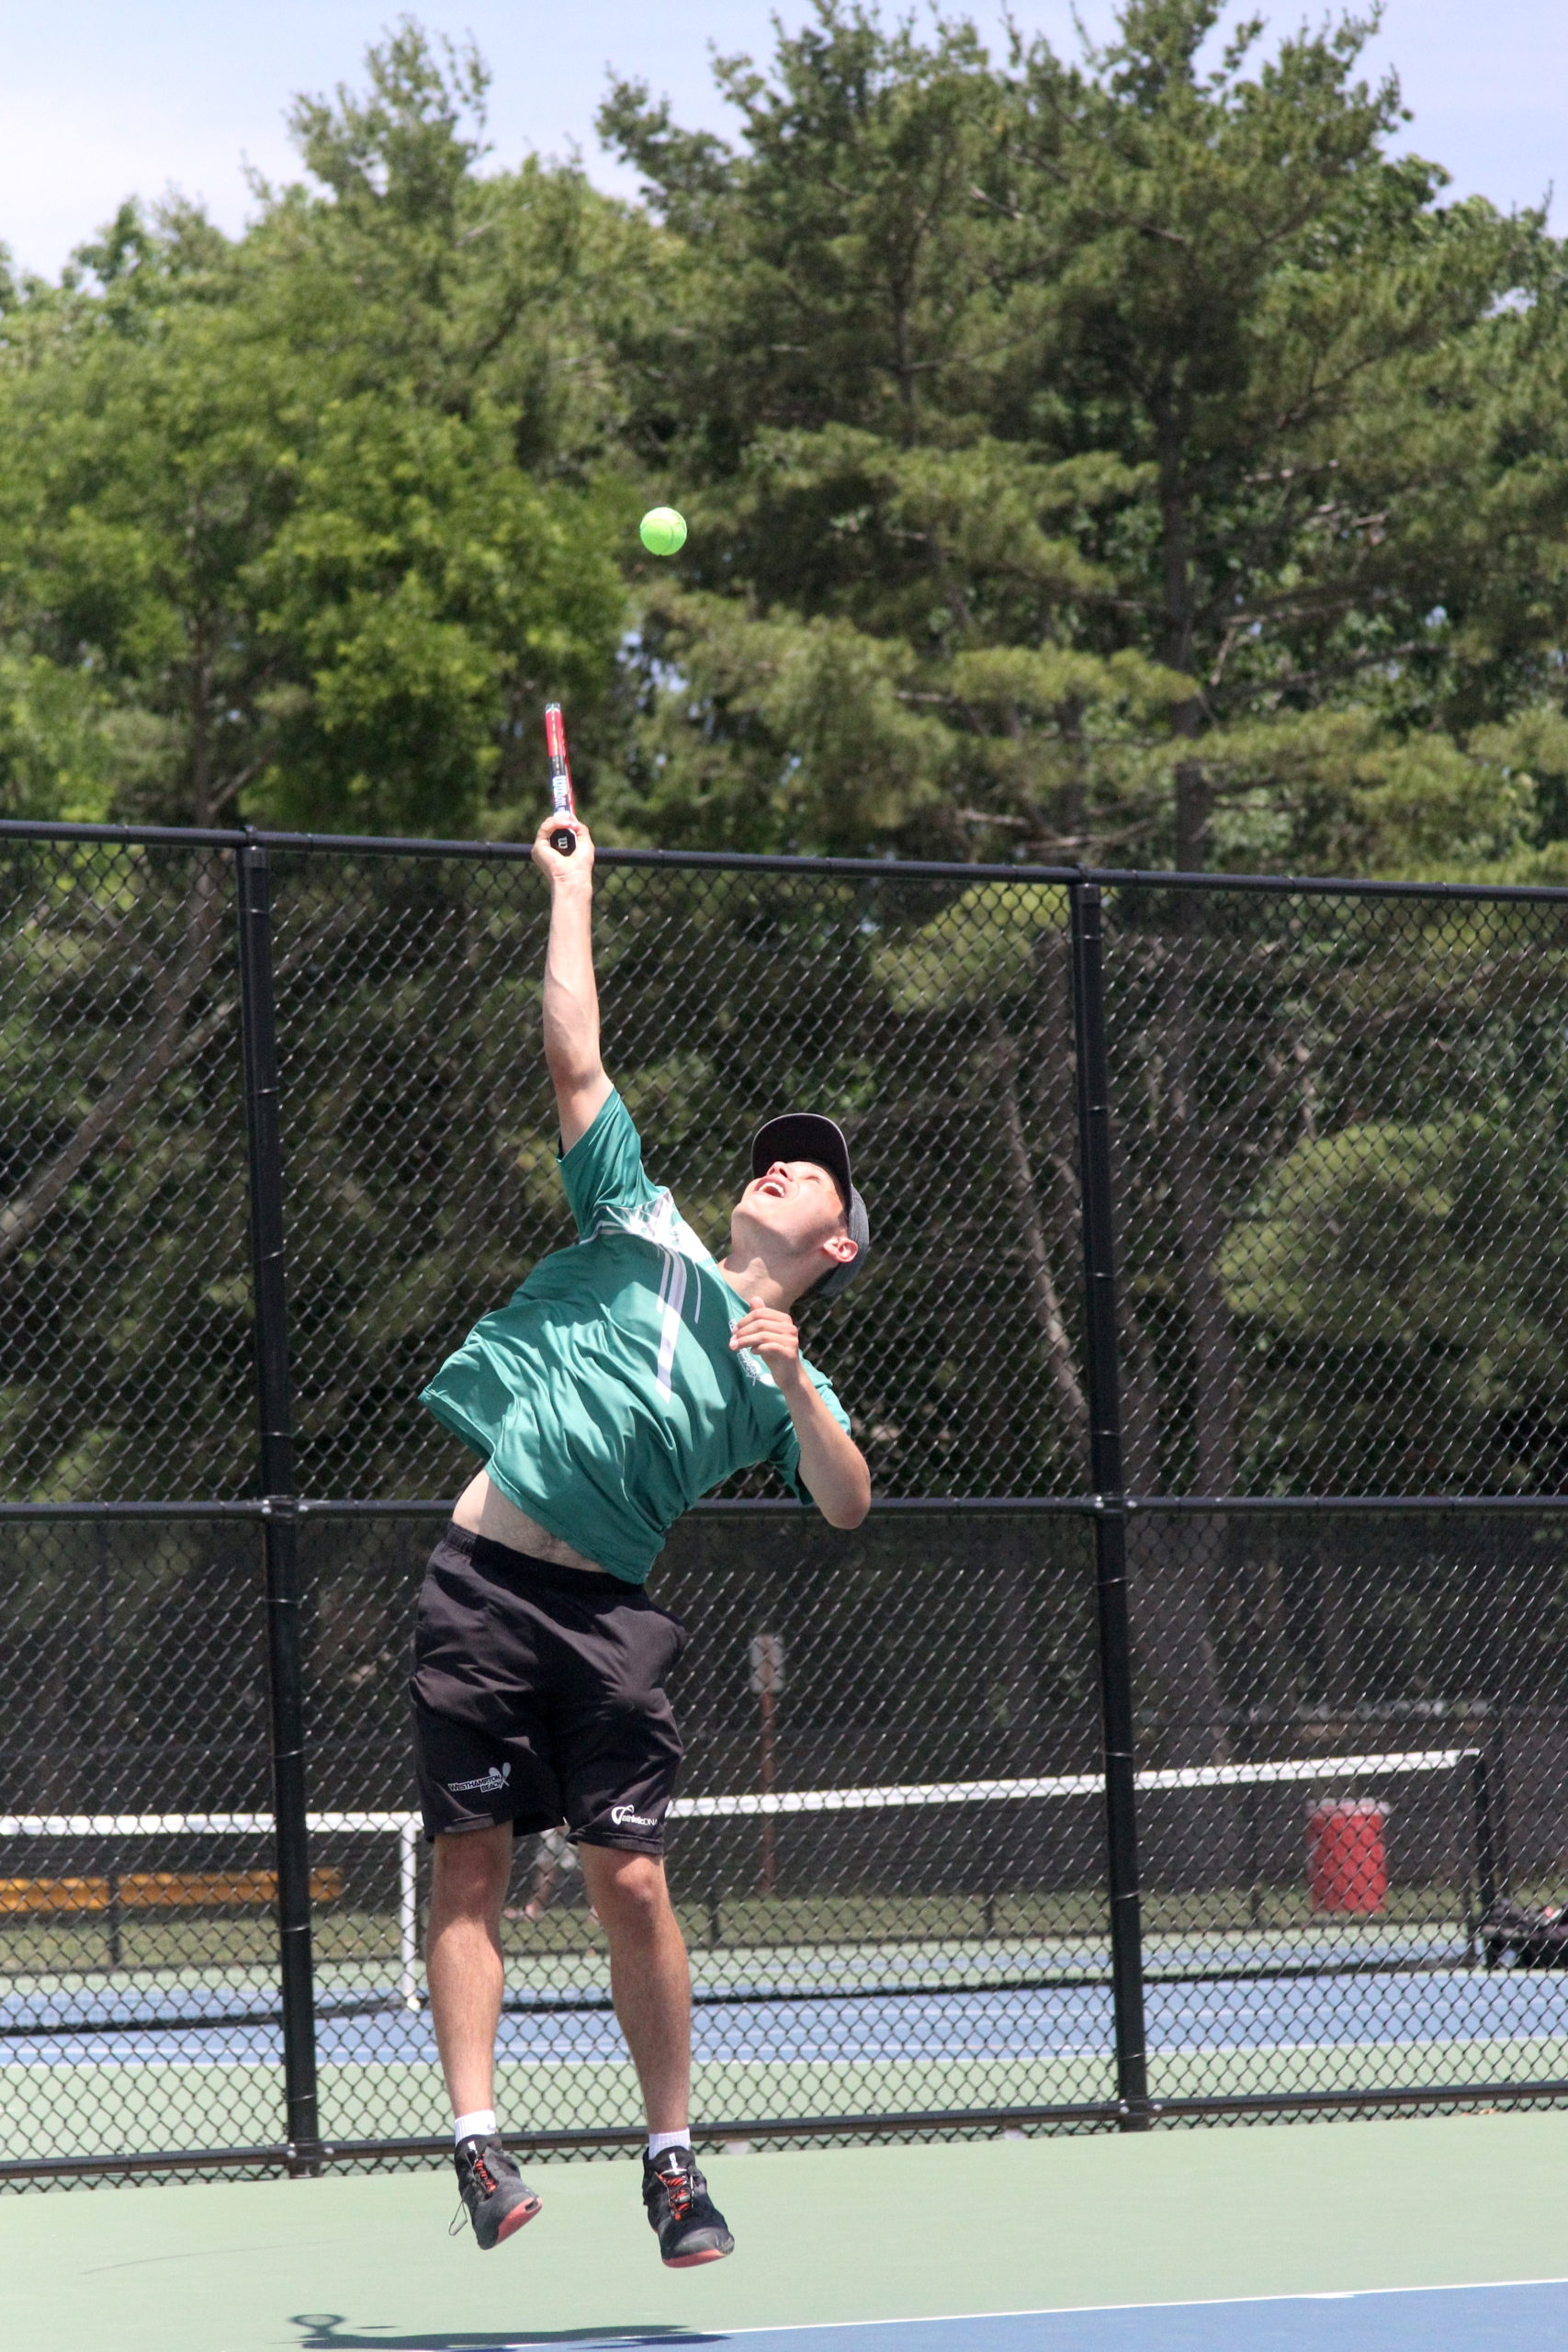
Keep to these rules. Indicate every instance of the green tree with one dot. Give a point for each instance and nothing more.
(1308, 363)
(870, 633)
(257, 562)
(1143, 416)
(240, 495)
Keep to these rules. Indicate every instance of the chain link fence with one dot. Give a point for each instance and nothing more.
(1181, 1735)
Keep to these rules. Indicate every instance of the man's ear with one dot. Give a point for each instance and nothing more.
(840, 1248)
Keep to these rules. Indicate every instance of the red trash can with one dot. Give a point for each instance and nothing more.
(1347, 1854)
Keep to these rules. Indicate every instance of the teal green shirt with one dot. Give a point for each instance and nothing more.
(605, 1398)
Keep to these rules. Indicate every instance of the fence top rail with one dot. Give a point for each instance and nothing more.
(885, 869)
(1227, 1506)
(760, 1505)
(776, 1507)
(408, 1507)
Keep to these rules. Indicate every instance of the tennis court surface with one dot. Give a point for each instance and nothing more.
(1340, 2237)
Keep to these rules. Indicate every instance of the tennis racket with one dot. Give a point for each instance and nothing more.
(563, 840)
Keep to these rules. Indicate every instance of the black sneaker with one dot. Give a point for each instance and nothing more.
(498, 2198)
(690, 2226)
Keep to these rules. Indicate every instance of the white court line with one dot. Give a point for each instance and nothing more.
(1191, 2303)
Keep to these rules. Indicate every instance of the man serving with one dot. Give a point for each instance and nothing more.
(627, 1376)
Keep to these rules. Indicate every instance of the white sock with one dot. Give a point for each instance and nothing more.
(481, 2125)
(658, 2140)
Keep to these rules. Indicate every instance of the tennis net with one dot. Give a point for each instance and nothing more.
(144, 1923)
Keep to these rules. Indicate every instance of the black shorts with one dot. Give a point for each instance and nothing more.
(538, 1699)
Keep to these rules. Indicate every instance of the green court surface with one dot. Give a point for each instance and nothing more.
(126, 2109)
(1030, 2227)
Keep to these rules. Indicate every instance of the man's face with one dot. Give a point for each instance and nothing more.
(795, 1203)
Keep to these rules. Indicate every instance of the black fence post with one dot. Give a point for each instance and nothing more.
(280, 1524)
(1103, 1384)
(1484, 1836)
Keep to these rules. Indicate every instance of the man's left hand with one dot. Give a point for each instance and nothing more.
(769, 1333)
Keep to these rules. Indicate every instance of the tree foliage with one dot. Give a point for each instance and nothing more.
(1148, 417)
(1125, 458)
(307, 519)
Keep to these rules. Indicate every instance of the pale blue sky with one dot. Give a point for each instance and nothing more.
(100, 99)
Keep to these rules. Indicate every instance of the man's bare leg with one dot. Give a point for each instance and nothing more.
(650, 1979)
(464, 1966)
(463, 1958)
(652, 1988)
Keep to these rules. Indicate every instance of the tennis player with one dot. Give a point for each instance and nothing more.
(627, 1376)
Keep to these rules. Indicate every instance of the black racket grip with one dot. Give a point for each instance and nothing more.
(562, 839)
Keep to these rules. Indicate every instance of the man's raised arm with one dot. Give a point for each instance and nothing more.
(571, 994)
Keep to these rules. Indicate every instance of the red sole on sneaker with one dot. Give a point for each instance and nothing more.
(690, 2261)
(515, 2219)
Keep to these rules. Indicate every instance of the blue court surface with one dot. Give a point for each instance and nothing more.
(1436, 2319)
(1422, 1993)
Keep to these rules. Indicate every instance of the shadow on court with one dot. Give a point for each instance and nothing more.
(331, 2332)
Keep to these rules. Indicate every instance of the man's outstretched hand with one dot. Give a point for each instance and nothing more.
(579, 866)
(769, 1333)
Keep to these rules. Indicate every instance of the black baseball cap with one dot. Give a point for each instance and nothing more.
(806, 1135)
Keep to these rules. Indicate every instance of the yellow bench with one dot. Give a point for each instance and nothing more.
(34, 1898)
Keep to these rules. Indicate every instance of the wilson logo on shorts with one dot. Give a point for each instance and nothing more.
(488, 1785)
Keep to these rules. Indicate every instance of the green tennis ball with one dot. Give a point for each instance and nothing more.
(663, 531)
